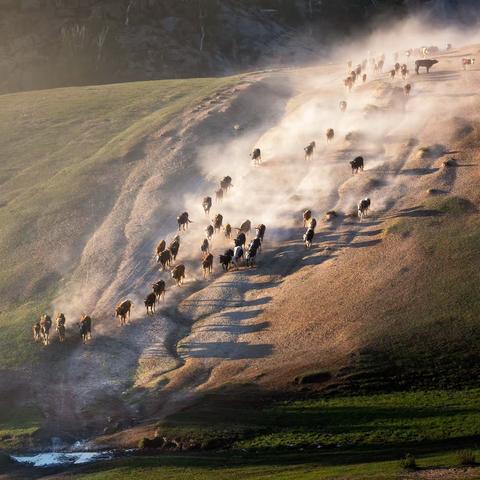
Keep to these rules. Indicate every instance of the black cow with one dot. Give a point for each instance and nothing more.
(357, 164)
(427, 64)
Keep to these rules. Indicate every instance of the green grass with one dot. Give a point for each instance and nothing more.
(18, 424)
(329, 465)
(64, 155)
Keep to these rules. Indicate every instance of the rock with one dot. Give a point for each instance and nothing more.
(451, 162)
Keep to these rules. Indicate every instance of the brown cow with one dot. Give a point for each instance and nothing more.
(407, 88)
(307, 215)
(122, 310)
(218, 222)
(165, 259)
(330, 134)
(174, 247)
(60, 326)
(209, 231)
(245, 227)
(219, 195)
(309, 149)
(150, 302)
(159, 289)
(160, 248)
(36, 329)
(205, 247)
(183, 221)
(45, 326)
(85, 328)
(207, 265)
(228, 230)
(343, 105)
(178, 274)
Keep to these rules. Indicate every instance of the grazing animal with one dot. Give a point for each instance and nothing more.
(308, 237)
(207, 265)
(363, 208)
(309, 149)
(353, 74)
(228, 230)
(407, 88)
(183, 221)
(241, 240)
(468, 61)
(392, 74)
(427, 64)
(45, 326)
(364, 77)
(209, 231)
(238, 254)
(150, 303)
(85, 328)
(159, 289)
(207, 205)
(60, 326)
(219, 195)
(343, 105)
(256, 156)
(36, 329)
(160, 248)
(165, 259)
(358, 70)
(348, 82)
(260, 231)
(330, 134)
(218, 222)
(178, 274)
(122, 311)
(245, 227)
(205, 247)
(357, 164)
(404, 71)
(397, 67)
(307, 215)
(226, 183)
(174, 247)
(226, 259)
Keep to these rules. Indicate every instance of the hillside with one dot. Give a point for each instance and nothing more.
(367, 341)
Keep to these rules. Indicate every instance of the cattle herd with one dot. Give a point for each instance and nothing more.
(239, 254)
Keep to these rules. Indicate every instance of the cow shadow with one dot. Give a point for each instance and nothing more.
(418, 171)
(237, 329)
(226, 350)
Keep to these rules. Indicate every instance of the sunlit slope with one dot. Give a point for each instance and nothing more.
(65, 153)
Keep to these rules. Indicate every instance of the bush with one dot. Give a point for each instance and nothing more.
(466, 457)
(409, 462)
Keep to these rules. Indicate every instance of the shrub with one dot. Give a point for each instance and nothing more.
(466, 457)
(409, 462)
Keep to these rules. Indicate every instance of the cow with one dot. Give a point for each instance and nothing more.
(159, 289)
(226, 259)
(226, 183)
(60, 326)
(468, 61)
(397, 67)
(160, 248)
(309, 149)
(228, 230)
(209, 231)
(165, 259)
(380, 65)
(364, 78)
(357, 164)
(255, 244)
(174, 247)
(406, 89)
(238, 254)
(392, 74)
(308, 237)
(251, 255)
(245, 227)
(358, 70)
(85, 328)
(183, 221)
(307, 215)
(150, 303)
(207, 265)
(218, 222)
(330, 134)
(122, 311)
(348, 82)
(219, 195)
(404, 71)
(363, 208)
(207, 205)
(178, 274)
(343, 106)
(36, 330)
(205, 247)
(427, 64)
(241, 240)
(260, 231)
(256, 156)
(313, 224)
(45, 326)
(353, 75)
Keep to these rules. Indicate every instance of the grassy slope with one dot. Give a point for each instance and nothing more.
(329, 465)
(18, 423)
(63, 153)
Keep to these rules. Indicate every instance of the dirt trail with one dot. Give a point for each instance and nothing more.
(266, 324)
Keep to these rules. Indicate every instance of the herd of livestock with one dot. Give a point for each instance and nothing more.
(240, 254)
